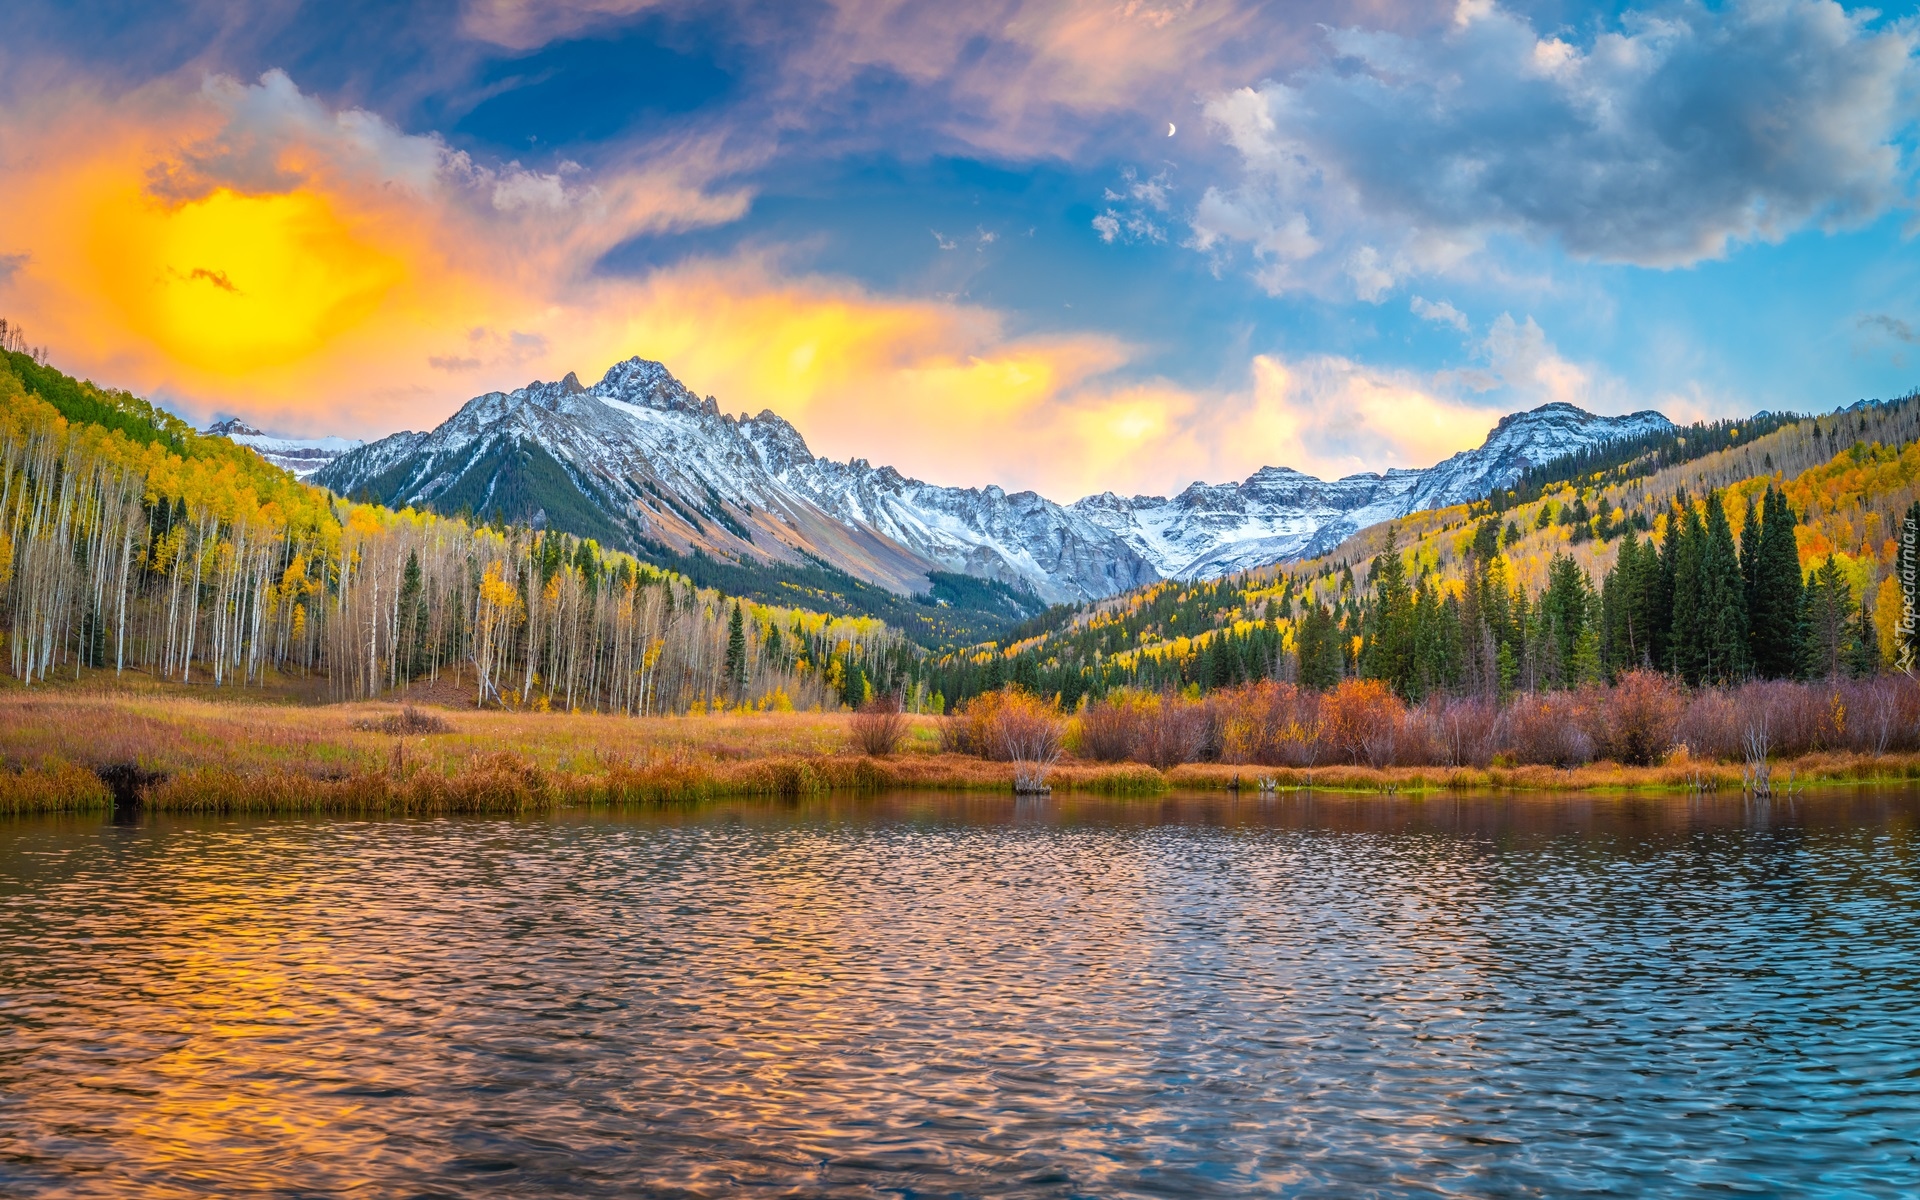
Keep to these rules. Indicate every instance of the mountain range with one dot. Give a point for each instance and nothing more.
(639, 461)
(302, 457)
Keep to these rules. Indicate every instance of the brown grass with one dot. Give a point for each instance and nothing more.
(221, 756)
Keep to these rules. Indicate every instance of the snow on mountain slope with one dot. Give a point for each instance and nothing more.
(637, 459)
(1279, 514)
(301, 456)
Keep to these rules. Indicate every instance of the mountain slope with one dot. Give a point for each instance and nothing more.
(639, 461)
(300, 456)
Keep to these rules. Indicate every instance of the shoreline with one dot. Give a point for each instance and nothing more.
(200, 754)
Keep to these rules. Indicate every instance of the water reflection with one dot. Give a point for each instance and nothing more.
(1300, 995)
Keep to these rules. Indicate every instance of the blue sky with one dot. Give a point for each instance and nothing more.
(960, 238)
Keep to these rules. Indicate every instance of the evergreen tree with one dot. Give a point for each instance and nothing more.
(1723, 624)
(1686, 535)
(1486, 538)
(1775, 611)
(1317, 642)
(1388, 626)
(1827, 625)
(1628, 605)
(1863, 658)
(736, 666)
(1563, 610)
(854, 688)
(411, 654)
(1750, 526)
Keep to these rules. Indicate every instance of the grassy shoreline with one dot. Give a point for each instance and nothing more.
(212, 753)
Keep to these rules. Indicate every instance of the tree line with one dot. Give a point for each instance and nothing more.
(134, 544)
(1698, 602)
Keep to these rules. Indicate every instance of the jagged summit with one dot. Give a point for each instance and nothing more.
(301, 456)
(639, 459)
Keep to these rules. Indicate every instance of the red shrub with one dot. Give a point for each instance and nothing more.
(1640, 718)
(1463, 732)
(1362, 721)
(1548, 727)
(877, 726)
(1110, 729)
(1172, 731)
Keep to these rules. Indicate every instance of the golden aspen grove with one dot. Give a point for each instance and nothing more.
(129, 543)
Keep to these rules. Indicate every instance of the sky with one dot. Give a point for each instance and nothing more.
(1076, 247)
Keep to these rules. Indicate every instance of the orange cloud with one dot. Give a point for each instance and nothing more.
(239, 247)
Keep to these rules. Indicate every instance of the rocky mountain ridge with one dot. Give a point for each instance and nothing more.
(638, 460)
(301, 456)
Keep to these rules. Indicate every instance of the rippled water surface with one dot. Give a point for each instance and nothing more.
(918, 996)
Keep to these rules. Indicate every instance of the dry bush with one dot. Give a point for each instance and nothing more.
(1362, 720)
(980, 726)
(1252, 723)
(1110, 728)
(1549, 728)
(1172, 731)
(1710, 726)
(1464, 732)
(1798, 718)
(405, 723)
(1640, 718)
(1879, 715)
(1030, 735)
(878, 726)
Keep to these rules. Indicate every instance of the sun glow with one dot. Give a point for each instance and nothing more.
(231, 283)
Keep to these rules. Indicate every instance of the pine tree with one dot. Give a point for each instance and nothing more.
(1750, 525)
(1827, 625)
(1776, 609)
(1723, 625)
(1686, 535)
(1388, 650)
(1317, 642)
(736, 666)
(1563, 616)
(411, 654)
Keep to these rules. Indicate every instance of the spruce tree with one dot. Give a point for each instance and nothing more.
(1776, 611)
(1827, 623)
(736, 666)
(1750, 525)
(1723, 625)
(1387, 653)
(1681, 561)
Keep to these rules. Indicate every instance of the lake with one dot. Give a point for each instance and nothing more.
(972, 996)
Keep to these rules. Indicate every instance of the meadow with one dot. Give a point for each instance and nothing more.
(68, 747)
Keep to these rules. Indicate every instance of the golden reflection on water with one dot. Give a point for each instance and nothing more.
(1316, 994)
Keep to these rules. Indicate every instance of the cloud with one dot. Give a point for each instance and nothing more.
(1440, 313)
(1020, 78)
(10, 264)
(1893, 327)
(243, 246)
(1663, 144)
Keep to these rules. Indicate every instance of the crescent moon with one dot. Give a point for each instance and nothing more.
(1169, 128)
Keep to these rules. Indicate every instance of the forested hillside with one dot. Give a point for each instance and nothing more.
(1774, 555)
(131, 544)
